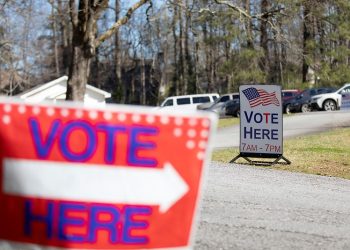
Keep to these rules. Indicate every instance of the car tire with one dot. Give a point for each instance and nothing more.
(329, 105)
(305, 108)
(238, 113)
(287, 109)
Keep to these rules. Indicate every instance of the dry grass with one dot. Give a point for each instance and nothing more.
(226, 122)
(326, 154)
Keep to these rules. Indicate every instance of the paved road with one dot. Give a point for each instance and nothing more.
(298, 124)
(257, 208)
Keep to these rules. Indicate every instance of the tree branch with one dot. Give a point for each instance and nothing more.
(73, 13)
(261, 16)
(119, 23)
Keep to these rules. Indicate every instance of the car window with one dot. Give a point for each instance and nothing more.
(346, 90)
(201, 99)
(224, 98)
(287, 94)
(330, 90)
(215, 97)
(313, 92)
(168, 103)
(183, 101)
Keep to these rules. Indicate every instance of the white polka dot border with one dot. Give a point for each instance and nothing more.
(204, 133)
(177, 132)
(121, 117)
(200, 155)
(107, 116)
(50, 111)
(150, 119)
(64, 112)
(36, 110)
(7, 108)
(79, 114)
(136, 118)
(93, 115)
(6, 119)
(205, 123)
(22, 109)
(164, 120)
(190, 144)
(191, 133)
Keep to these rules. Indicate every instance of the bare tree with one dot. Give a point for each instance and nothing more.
(84, 21)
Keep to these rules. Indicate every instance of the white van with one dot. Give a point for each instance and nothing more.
(187, 102)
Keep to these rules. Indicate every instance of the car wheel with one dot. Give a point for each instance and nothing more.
(305, 108)
(238, 113)
(329, 105)
(287, 110)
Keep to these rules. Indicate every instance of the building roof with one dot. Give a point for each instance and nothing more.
(59, 81)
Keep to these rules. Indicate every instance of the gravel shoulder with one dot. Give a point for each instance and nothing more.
(247, 207)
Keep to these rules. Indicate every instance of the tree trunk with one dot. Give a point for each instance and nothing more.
(85, 42)
(249, 27)
(265, 62)
(182, 62)
(78, 74)
(66, 37)
(306, 38)
(143, 81)
(175, 87)
(120, 89)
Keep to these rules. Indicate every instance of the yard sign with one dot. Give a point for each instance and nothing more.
(261, 128)
(345, 101)
(118, 178)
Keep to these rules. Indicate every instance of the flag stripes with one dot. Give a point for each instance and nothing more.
(258, 97)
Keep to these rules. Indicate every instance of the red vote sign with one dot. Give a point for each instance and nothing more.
(115, 178)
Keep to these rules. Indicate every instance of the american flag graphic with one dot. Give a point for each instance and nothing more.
(260, 96)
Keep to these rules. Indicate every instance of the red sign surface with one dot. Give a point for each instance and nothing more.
(118, 178)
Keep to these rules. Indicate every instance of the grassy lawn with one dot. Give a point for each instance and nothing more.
(226, 122)
(326, 154)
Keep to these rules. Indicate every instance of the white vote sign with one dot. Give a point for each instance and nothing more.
(261, 123)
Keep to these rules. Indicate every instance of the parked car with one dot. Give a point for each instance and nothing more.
(329, 101)
(287, 97)
(233, 108)
(301, 103)
(187, 102)
(219, 103)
